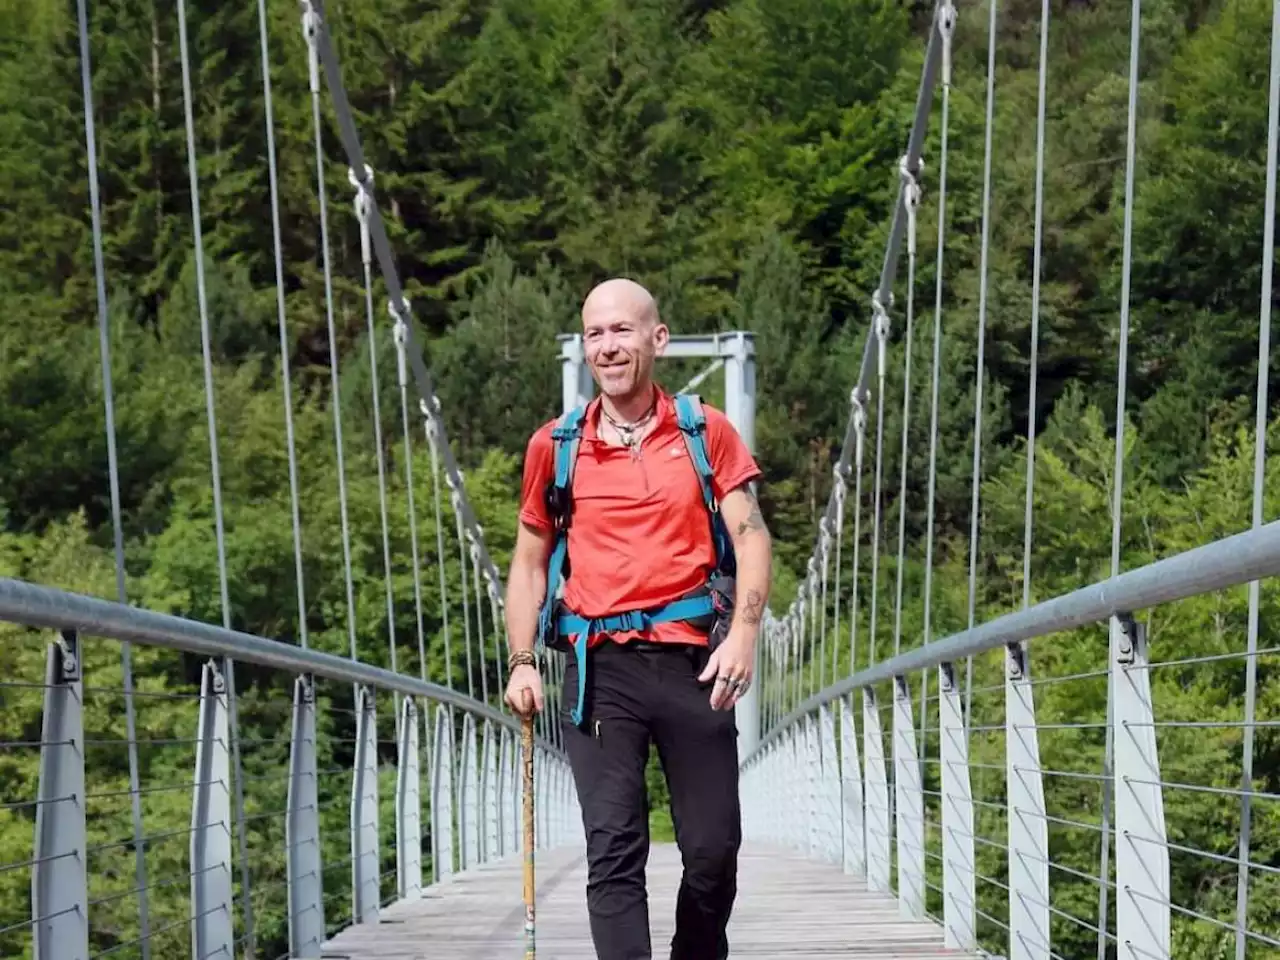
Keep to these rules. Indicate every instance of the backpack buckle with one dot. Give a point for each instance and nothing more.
(559, 506)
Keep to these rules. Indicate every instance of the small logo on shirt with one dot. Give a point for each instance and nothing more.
(675, 452)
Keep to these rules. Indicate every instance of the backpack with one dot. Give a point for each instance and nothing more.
(712, 608)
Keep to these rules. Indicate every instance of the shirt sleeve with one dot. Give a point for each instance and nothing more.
(730, 459)
(538, 466)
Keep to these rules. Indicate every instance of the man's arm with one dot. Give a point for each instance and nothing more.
(753, 550)
(527, 585)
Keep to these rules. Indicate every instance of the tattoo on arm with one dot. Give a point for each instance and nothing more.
(754, 521)
(753, 609)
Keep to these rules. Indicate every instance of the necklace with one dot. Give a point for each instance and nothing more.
(629, 432)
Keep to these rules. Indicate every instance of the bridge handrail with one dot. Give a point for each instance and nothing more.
(39, 606)
(1228, 562)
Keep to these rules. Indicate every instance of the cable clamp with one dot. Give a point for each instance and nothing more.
(859, 427)
(881, 321)
(841, 487)
(824, 537)
(68, 644)
(946, 27)
(311, 30)
(910, 197)
(400, 333)
(363, 202)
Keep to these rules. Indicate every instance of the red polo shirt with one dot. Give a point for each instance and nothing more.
(640, 535)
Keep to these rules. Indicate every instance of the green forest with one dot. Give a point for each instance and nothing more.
(740, 158)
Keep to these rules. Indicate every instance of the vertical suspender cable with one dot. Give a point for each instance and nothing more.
(946, 20)
(825, 527)
(811, 592)
(495, 614)
(274, 177)
(455, 499)
(911, 198)
(474, 549)
(882, 336)
(310, 25)
(362, 215)
(1035, 312)
(402, 375)
(841, 493)
(113, 473)
(433, 432)
(1259, 476)
(246, 903)
(860, 431)
(1117, 486)
(980, 365)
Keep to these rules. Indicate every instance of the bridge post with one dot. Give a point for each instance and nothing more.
(1142, 842)
(408, 805)
(442, 794)
(364, 812)
(59, 881)
(302, 829)
(212, 926)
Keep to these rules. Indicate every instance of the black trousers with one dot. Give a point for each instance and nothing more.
(638, 693)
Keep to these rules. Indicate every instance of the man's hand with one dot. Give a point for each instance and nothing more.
(524, 691)
(732, 665)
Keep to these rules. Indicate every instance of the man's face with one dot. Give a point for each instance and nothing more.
(621, 342)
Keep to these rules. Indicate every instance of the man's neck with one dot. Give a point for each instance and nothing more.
(630, 408)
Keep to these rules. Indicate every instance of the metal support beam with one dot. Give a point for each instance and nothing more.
(442, 761)
(59, 878)
(959, 906)
(364, 812)
(303, 867)
(877, 794)
(469, 815)
(408, 806)
(1142, 851)
(832, 842)
(1028, 827)
(909, 808)
(489, 793)
(852, 819)
(212, 924)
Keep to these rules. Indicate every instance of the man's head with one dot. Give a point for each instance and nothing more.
(622, 335)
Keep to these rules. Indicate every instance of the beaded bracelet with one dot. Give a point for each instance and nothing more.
(521, 658)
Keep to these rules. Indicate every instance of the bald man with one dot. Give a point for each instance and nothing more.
(641, 540)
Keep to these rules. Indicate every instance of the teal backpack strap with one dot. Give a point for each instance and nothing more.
(693, 427)
(566, 437)
(559, 498)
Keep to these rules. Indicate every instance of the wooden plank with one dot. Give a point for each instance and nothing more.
(787, 907)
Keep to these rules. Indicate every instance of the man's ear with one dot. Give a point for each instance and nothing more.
(661, 337)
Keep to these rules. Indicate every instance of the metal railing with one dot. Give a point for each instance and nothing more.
(1120, 800)
(346, 805)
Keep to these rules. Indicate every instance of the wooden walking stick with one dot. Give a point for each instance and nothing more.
(526, 747)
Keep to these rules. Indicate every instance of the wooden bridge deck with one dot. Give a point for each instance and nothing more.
(787, 907)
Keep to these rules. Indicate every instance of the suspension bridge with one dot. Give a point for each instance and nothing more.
(912, 802)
